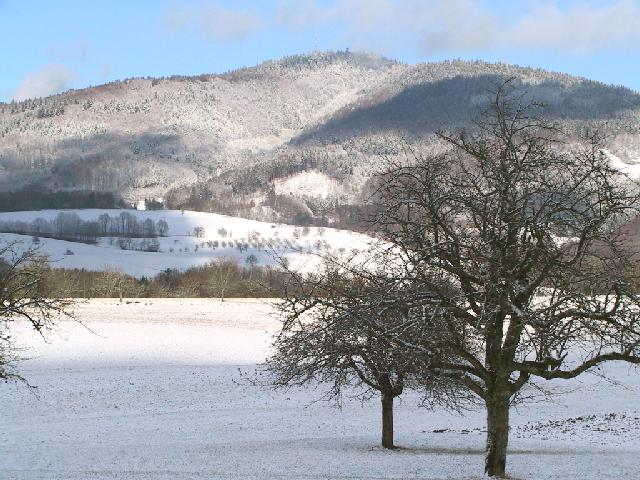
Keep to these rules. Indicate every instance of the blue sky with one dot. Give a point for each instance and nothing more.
(52, 45)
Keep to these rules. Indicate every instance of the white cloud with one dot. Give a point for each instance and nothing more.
(467, 26)
(582, 28)
(215, 22)
(300, 14)
(51, 79)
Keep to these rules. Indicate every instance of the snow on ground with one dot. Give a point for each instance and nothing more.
(308, 183)
(632, 170)
(182, 250)
(159, 390)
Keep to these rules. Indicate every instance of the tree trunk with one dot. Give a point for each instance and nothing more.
(387, 420)
(497, 436)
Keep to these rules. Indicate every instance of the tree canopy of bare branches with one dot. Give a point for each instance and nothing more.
(336, 325)
(22, 274)
(525, 225)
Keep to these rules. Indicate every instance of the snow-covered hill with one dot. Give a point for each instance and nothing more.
(251, 129)
(222, 237)
(630, 169)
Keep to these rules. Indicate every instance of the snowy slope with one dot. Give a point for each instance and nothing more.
(631, 170)
(143, 137)
(156, 392)
(182, 250)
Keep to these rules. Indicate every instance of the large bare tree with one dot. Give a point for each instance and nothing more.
(524, 221)
(22, 297)
(336, 325)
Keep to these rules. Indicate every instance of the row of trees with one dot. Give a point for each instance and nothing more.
(69, 226)
(501, 261)
(222, 278)
(31, 198)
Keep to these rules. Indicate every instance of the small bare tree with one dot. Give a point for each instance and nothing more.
(222, 273)
(198, 231)
(22, 297)
(162, 228)
(336, 329)
(526, 227)
(113, 282)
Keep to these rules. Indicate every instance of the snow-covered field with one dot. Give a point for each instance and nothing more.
(181, 249)
(158, 390)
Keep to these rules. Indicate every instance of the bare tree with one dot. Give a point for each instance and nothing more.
(22, 297)
(198, 231)
(162, 228)
(113, 282)
(336, 325)
(526, 227)
(221, 276)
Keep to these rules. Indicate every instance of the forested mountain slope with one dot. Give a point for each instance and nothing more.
(289, 139)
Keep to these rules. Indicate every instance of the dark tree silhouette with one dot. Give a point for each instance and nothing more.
(336, 329)
(527, 230)
(22, 297)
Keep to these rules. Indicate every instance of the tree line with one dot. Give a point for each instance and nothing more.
(32, 198)
(69, 226)
(217, 279)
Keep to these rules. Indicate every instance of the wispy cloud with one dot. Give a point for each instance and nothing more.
(584, 27)
(77, 51)
(429, 26)
(51, 79)
(215, 22)
(105, 70)
(471, 26)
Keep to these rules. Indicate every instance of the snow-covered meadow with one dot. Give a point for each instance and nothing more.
(223, 237)
(159, 389)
